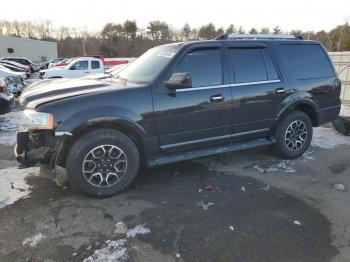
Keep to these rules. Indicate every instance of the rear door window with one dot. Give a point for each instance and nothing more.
(95, 64)
(248, 65)
(307, 61)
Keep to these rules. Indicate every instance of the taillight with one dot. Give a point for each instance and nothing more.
(2, 89)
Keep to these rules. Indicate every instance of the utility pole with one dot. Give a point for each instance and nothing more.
(83, 41)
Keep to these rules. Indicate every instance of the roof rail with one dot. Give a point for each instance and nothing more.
(257, 36)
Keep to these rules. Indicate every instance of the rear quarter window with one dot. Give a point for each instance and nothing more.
(307, 61)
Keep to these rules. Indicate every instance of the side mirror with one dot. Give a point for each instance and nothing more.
(179, 80)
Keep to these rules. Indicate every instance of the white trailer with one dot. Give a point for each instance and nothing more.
(341, 62)
(35, 50)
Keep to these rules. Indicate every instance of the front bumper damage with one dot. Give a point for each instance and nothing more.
(38, 147)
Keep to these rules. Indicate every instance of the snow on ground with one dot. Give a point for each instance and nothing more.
(10, 121)
(13, 186)
(328, 138)
(34, 240)
(116, 250)
(345, 111)
(138, 230)
(9, 124)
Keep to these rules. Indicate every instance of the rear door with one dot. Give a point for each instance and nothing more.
(96, 67)
(199, 116)
(257, 89)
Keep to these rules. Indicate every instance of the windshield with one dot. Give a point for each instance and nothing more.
(116, 69)
(148, 66)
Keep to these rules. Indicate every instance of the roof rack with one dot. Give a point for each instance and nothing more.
(257, 36)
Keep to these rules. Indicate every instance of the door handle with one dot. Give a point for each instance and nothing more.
(216, 98)
(280, 91)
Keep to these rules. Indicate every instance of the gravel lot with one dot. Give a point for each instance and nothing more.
(244, 206)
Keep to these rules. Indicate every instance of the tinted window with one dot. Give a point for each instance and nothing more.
(81, 65)
(270, 66)
(307, 61)
(95, 64)
(248, 65)
(204, 66)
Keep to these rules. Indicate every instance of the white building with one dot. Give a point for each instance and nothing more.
(35, 50)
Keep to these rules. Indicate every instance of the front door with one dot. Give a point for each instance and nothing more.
(199, 116)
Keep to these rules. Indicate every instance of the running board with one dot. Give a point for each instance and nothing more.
(167, 159)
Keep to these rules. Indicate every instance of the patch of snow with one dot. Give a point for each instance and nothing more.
(178, 255)
(34, 240)
(266, 188)
(344, 111)
(113, 251)
(116, 250)
(328, 138)
(13, 186)
(8, 138)
(242, 189)
(205, 206)
(339, 187)
(138, 230)
(9, 124)
(286, 166)
(120, 228)
(283, 165)
(296, 222)
(10, 121)
(307, 155)
(231, 228)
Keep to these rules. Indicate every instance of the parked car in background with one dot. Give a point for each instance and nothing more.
(45, 65)
(177, 102)
(112, 72)
(16, 67)
(55, 61)
(110, 62)
(14, 85)
(24, 61)
(64, 62)
(77, 68)
(6, 98)
(5, 72)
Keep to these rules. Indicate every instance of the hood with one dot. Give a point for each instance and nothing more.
(49, 90)
(97, 76)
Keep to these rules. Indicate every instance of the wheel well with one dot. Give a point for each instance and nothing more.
(310, 111)
(128, 131)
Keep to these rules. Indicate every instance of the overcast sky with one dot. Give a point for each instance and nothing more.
(293, 14)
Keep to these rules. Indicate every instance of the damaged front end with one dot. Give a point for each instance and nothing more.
(38, 142)
(37, 147)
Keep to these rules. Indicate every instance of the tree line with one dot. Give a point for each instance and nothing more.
(127, 39)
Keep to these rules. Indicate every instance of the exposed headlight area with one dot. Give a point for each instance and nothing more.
(33, 120)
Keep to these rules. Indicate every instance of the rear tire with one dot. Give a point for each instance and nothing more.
(102, 163)
(293, 135)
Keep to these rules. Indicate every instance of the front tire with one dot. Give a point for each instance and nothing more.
(102, 163)
(293, 135)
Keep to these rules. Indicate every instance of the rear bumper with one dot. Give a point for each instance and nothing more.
(326, 115)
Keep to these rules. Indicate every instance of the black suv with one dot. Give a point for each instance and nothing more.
(177, 102)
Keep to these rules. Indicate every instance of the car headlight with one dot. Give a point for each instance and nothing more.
(33, 120)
